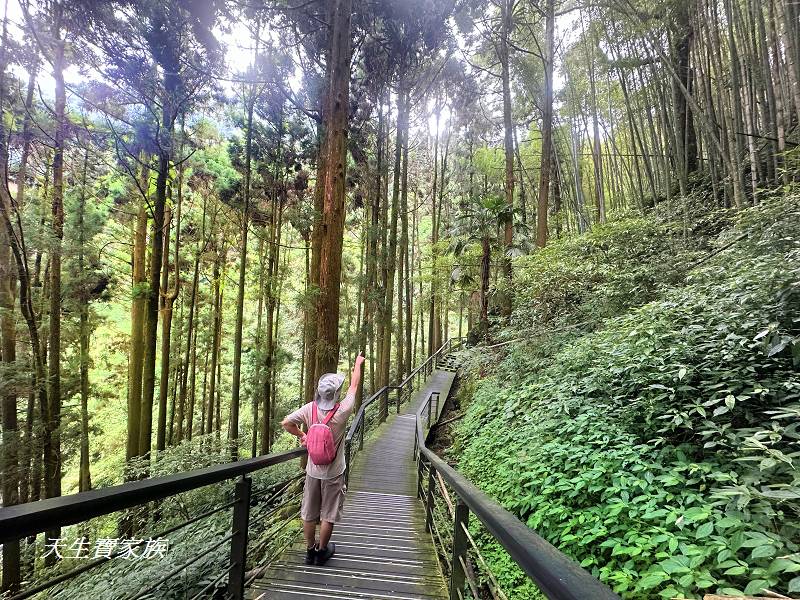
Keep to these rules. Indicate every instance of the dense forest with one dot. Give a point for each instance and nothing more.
(204, 206)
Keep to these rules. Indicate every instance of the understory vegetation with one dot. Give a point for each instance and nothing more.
(274, 525)
(643, 416)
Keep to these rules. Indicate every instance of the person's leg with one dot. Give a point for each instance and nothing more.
(309, 513)
(333, 491)
(310, 533)
(325, 531)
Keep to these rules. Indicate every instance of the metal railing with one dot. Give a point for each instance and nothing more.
(20, 521)
(366, 420)
(23, 520)
(556, 575)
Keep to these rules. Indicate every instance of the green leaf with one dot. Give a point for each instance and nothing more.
(724, 555)
(762, 551)
(651, 580)
(739, 570)
(696, 513)
(756, 586)
(726, 522)
(794, 585)
(676, 564)
(704, 530)
(703, 583)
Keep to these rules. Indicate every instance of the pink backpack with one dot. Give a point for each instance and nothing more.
(319, 439)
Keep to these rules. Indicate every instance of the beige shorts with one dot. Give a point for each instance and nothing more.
(323, 499)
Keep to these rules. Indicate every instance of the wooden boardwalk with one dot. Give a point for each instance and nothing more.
(382, 549)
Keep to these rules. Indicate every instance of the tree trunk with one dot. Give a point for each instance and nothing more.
(9, 465)
(391, 256)
(233, 433)
(434, 239)
(406, 256)
(506, 8)
(169, 297)
(547, 127)
(156, 250)
(84, 475)
(193, 387)
(53, 424)
(138, 306)
(334, 149)
(189, 356)
(8, 398)
(257, 379)
(485, 265)
(401, 274)
(272, 267)
(597, 156)
(216, 330)
(686, 147)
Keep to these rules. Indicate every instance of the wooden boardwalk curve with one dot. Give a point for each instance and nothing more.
(382, 549)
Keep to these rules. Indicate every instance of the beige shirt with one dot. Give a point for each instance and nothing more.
(338, 424)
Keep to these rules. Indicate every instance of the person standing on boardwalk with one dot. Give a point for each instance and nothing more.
(325, 419)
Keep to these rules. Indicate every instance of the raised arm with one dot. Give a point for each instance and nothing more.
(355, 376)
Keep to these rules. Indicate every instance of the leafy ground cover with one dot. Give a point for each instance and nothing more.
(657, 442)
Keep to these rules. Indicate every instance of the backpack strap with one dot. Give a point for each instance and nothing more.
(330, 413)
(328, 417)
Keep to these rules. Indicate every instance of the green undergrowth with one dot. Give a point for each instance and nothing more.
(656, 446)
(273, 526)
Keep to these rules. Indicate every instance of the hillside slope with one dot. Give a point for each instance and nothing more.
(645, 421)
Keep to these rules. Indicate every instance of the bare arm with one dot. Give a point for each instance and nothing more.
(355, 376)
(355, 380)
(292, 428)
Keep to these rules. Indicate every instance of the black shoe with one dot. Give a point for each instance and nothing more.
(323, 554)
(311, 555)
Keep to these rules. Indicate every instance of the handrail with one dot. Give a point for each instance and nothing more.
(358, 423)
(557, 576)
(21, 520)
(360, 414)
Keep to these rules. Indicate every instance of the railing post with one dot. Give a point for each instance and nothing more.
(429, 498)
(429, 411)
(419, 476)
(436, 411)
(361, 431)
(241, 522)
(457, 574)
(399, 392)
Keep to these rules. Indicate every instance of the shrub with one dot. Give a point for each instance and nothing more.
(659, 450)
